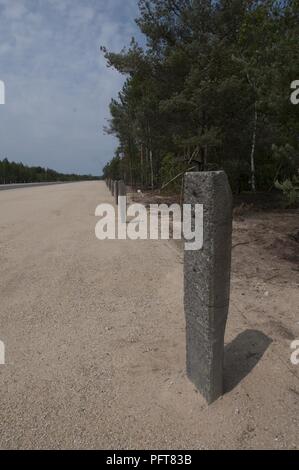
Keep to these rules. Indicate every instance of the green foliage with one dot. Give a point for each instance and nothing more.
(170, 170)
(290, 189)
(113, 169)
(11, 172)
(212, 85)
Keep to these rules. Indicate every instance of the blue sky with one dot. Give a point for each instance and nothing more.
(58, 87)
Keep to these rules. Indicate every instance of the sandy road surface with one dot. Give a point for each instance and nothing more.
(94, 335)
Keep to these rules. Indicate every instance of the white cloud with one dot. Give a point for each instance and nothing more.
(13, 9)
(57, 85)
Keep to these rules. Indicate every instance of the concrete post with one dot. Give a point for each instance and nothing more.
(116, 192)
(207, 282)
(122, 191)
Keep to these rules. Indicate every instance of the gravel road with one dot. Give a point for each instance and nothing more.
(95, 342)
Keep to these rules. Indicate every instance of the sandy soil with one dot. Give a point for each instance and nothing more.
(94, 333)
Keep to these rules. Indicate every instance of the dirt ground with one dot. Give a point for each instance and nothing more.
(95, 334)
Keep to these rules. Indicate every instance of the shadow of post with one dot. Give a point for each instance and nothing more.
(242, 355)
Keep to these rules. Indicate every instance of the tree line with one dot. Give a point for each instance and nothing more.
(11, 172)
(210, 90)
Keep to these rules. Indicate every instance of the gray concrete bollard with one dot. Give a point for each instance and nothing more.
(116, 192)
(207, 282)
(122, 192)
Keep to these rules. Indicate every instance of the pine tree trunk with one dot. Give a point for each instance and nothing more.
(205, 163)
(252, 159)
(152, 170)
(141, 164)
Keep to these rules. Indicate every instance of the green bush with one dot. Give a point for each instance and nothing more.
(170, 168)
(290, 190)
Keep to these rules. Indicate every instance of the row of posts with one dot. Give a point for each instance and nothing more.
(206, 279)
(117, 188)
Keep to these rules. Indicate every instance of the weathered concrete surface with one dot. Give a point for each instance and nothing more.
(207, 282)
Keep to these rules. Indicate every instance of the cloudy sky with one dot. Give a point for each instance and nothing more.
(58, 87)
